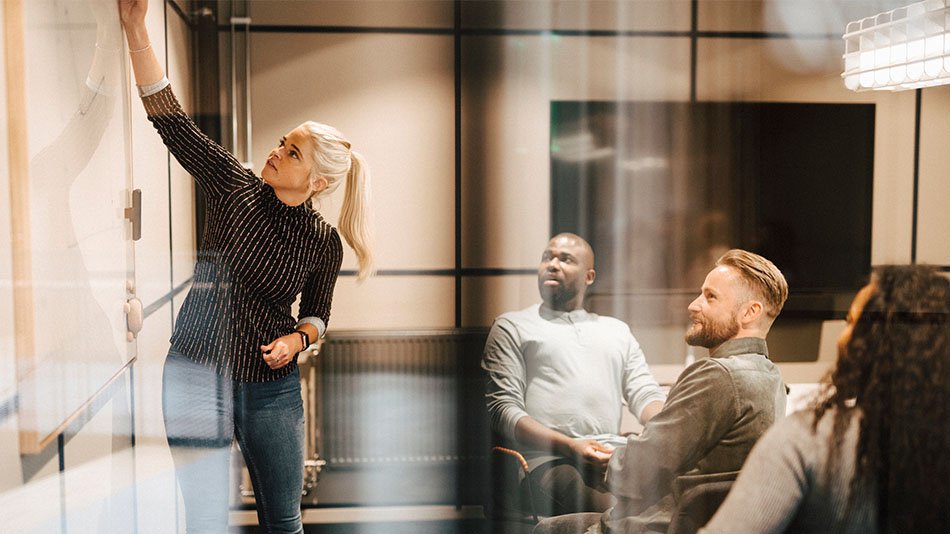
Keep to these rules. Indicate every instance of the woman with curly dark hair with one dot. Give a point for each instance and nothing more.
(873, 455)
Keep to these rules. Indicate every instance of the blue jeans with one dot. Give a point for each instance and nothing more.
(203, 413)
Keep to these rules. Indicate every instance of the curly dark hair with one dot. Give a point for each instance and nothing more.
(895, 368)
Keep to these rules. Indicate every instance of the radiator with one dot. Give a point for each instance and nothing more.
(391, 399)
(397, 397)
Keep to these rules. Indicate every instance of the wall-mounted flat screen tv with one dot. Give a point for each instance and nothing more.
(661, 189)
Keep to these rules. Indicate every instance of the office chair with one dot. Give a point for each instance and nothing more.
(698, 502)
(510, 506)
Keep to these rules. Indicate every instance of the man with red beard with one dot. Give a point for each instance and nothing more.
(558, 377)
(715, 412)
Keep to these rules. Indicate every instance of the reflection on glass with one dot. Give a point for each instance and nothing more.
(661, 189)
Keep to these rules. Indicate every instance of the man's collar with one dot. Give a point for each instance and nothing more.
(742, 345)
(549, 313)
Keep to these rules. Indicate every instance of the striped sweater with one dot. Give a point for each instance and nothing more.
(257, 255)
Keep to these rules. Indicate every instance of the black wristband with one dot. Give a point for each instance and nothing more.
(304, 338)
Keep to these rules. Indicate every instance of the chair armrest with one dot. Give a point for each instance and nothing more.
(506, 452)
(517, 455)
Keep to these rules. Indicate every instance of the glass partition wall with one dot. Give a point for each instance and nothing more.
(663, 131)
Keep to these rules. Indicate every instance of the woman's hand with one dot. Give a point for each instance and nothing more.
(132, 12)
(145, 64)
(282, 350)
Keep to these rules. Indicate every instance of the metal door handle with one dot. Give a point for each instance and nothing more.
(134, 214)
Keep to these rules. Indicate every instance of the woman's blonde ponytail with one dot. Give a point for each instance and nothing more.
(354, 216)
(335, 162)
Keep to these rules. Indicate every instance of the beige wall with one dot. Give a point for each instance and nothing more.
(375, 13)
(392, 96)
(621, 15)
(933, 226)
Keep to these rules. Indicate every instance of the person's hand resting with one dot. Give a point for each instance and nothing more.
(282, 350)
(591, 452)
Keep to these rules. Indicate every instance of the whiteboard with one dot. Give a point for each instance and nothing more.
(71, 248)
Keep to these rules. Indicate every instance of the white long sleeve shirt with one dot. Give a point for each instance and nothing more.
(570, 371)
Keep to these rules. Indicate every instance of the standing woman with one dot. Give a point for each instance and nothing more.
(231, 371)
(872, 454)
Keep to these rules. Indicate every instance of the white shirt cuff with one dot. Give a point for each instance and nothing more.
(151, 89)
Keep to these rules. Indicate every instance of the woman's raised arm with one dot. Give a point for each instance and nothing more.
(145, 65)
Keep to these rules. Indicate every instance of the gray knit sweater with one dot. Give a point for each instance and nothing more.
(787, 484)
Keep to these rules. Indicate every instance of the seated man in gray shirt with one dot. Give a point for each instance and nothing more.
(716, 411)
(558, 377)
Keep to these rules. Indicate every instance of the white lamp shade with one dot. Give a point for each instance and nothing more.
(905, 48)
